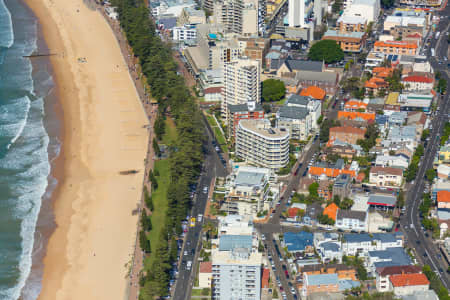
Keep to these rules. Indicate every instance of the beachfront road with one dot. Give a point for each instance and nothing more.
(213, 168)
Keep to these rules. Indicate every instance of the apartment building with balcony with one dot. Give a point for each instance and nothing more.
(248, 192)
(242, 83)
(396, 47)
(259, 144)
(347, 23)
(236, 262)
(348, 41)
(239, 16)
(239, 112)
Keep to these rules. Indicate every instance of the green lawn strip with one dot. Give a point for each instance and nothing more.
(220, 139)
(281, 102)
(170, 134)
(159, 197)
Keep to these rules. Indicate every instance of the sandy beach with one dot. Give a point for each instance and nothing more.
(104, 134)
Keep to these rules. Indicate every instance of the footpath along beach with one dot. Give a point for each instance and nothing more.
(105, 133)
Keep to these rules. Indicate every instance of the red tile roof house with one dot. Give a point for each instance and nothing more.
(414, 82)
(386, 176)
(205, 274)
(382, 275)
(213, 94)
(407, 284)
(265, 278)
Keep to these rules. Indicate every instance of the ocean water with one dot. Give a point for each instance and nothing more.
(24, 148)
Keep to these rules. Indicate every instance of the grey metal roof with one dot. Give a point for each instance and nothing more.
(330, 77)
(168, 22)
(249, 178)
(243, 107)
(391, 256)
(230, 242)
(298, 100)
(298, 241)
(330, 246)
(342, 179)
(323, 279)
(351, 214)
(365, 237)
(388, 200)
(292, 112)
(276, 63)
(304, 65)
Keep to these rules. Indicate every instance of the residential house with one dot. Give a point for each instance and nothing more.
(416, 82)
(395, 161)
(343, 271)
(443, 172)
(298, 241)
(386, 176)
(355, 105)
(299, 115)
(213, 94)
(362, 243)
(331, 211)
(406, 284)
(394, 256)
(330, 251)
(324, 191)
(443, 200)
(375, 85)
(331, 170)
(382, 275)
(319, 283)
(351, 220)
(443, 156)
(356, 116)
(205, 274)
(347, 134)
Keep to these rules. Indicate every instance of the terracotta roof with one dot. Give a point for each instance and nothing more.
(360, 177)
(265, 278)
(351, 115)
(375, 82)
(409, 279)
(417, 79)
(331, 211)
(414, 35)
(313, 91)
(292, 212)
(443, 196)
(330, 172)
(206, 267)
(396, 44)
(395, 270)
(213, 90)
(347, 129)
(382, 71)
(355, 104)
(386, 170)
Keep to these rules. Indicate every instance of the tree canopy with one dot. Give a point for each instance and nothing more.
(326, 50)
(273, 90)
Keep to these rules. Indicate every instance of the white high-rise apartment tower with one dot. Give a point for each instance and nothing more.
(296, 13)
(242, 83)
